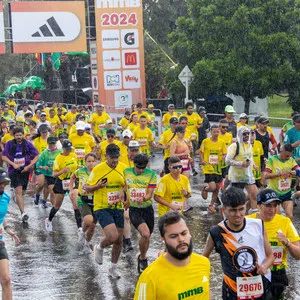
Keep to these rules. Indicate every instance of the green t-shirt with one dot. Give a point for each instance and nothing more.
(47, 159)
(137, 186)
(82, 175)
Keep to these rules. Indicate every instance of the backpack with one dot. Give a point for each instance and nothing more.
(237, 151)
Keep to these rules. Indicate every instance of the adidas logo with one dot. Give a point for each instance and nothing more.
(51, 28)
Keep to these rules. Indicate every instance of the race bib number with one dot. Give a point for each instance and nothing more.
(213, 159)
(66, 184)
(249, 287)
(143, 142)
(185, 163)
(20, 161)
(100, 126)
(80, 153)
(113, 198)
(177, 203)
(278, 254)
(284, 184)
(137, 193)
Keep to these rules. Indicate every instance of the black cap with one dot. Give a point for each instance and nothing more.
(127, 112)
(25, 103)
(267, 196)
(262, 120)
(112, 150)
(296, 118)
(32, 122)
(66, 144)
(110, 131)
(3, 176)
(60, 109)
(51, 140)
(174, 120)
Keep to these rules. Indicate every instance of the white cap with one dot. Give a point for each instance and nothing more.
(243, 115)
(87, 126)
(80, 125)
(127, 133)
(133, 144)
(109, 121)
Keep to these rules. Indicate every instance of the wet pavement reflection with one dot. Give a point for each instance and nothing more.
(50, 266)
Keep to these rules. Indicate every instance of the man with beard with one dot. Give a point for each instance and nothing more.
(178, 273)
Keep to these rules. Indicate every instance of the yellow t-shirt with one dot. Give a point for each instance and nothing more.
(166, 138)
(82, 146)
(110, 195)
(7, 137)
(40, 144)
(258, 151)
(35, 118)
(280, 252)
(170, 190)
(166, 118)
(143, 137)
(213, 153)
(163, 281)
(239, 124)
(124, 123)
(11, 102)
(98, 122)
(103, 146)
(145, 114)
(123, 153)
(227, 138)
(132, 127)
(70, 118)
(193, 120)
(65, 161)
(54, 121)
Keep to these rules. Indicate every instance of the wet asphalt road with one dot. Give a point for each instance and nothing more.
(50, 266)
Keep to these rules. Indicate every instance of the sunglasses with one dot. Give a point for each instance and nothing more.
(110, 136)
(183, 123)
(177, 167)
(246, 133)
(225, 127)
(140, 167)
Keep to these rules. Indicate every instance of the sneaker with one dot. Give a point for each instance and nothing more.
(211, 209)
(187, 208)
(194, 172)
(204, 192)
(142, 264)
(127, 246)
(81, 236)
(87, 248)
(44, 204)
(37, 199)
(24, 217)
(98, 254)
(113, 273)
(48, 225)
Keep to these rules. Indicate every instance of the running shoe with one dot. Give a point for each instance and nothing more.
(142, 264)
(127, 245)
(194, 172)
(98, 254)
(24, 217)
(113, 273)
(86, 248)
(37, 199)
(44, 204)
(187, 208)
(81, 237)
(48, 225)
(211, 209)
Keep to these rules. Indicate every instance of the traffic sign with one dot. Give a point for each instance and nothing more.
(186, 76)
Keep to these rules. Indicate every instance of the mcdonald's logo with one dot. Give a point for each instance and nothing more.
(130, 59)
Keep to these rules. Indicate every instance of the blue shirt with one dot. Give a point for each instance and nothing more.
(290, 137)
(4, 202)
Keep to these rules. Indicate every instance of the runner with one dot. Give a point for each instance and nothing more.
(151, 124)
(288, 125)
(124, 122)
(98, 120)
(232, 128)
(168, 115)
(244, 249)
(133, 124)
(243, 120)
(204, 129)
(139, 112)
(20, 155)
(70, 118)
(107, 182)
(179, 273)
(173, 189)
(65, 164)
(282, 236)
(110, 134)
(141, 183)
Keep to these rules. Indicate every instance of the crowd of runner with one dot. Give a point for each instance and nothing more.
(104, 168)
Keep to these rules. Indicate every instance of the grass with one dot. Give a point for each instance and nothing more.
(278, 108)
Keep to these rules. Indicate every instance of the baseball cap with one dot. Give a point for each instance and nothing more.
(25, 103)
(51, 140)
(3, 176)
(66, 144)
(11, 121)
(10, 96)
(20, 119)
(43, 114)
(243, 115)
(28, 114)
(73, 106)
(267, 196)
(133, 145)
(109, 121)
(262, 120)
(173, 120)
(202, 109)
(80, 125)
(296, 118)
(127, 133)
(127, 112)
(150, 106)
(87, 126)
(229, 109)
(171, 106)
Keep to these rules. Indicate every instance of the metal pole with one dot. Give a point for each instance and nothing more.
(186, 91)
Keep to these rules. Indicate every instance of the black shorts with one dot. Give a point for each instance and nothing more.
(107, 216)
(239, 185)
(166, 165)
(278, 283)
(19, 179)
(225, 172)
(213, 178)
(286, 197)
(87, 210)
(258, 183)
(142, 215)
(50, 180)
(58, 187)
(3, 252)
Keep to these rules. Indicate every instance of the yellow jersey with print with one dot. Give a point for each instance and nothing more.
(65, 161)
(165, 139)
(11, 103)
(213, 154)
(258, 152)
(70, 118)
(280, 252)
(143, 137)
(111, 195)
(7, 137)
(171, 191)
(123, 152)
(40, 144)
(55, 121)
(132, 127)
(103, 146)
(163, 280)
(193, 120)
(275, 165)
(99, 122)
(124, 123)
(35, 118)
(239, 124)
(82, 145)
(227, 138)
(166, 119)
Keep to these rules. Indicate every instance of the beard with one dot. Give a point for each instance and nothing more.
(179, 255)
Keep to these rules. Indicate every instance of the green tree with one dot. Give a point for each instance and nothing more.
(248, 48)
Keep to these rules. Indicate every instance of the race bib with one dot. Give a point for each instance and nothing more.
(249, 287)
(278, 254)
(113, 198)
(185, 163)
(143, 142)
(20, 161)
(213, 159)
(177, 203)
(66, 184)
(284, 184)
(80, 153)
(137, 193)
(100, 126)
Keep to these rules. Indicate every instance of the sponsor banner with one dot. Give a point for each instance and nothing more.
(2, 32)
(39, 27)
(120, 52)
(94, 71)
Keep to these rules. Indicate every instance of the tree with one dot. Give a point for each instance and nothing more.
(248, 48)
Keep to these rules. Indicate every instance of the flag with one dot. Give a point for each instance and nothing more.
(55, 60)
